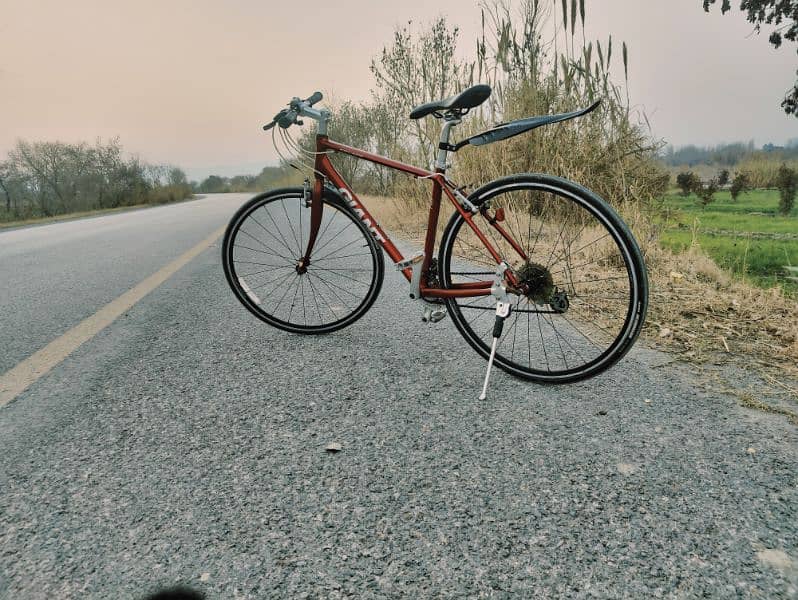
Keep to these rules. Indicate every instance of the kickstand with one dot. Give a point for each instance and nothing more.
(503, 308)
(502, 312)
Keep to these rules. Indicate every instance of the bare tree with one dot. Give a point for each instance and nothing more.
(4, 187)
(47, 178)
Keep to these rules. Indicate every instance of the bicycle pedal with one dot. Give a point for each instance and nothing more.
(433, 315)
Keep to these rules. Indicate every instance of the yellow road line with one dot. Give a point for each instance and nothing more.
(21, 377)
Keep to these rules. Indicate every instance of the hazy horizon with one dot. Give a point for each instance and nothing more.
(191, 83)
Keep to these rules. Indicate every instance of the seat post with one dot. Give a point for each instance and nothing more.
(451, 121)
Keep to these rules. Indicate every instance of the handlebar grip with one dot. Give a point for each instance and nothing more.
(287, 119)
(316, 97)
(268, 126)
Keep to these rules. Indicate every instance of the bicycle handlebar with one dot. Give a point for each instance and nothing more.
(316, 97)
(288, 116)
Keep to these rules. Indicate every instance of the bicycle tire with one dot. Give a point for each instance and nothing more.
(348, 278)
(567, 288)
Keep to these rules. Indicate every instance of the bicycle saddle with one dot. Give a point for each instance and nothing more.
(468, 98)
(502, 131)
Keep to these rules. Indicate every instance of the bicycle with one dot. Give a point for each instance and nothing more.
(307, 259)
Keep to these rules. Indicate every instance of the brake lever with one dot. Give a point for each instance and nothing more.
(276, 119)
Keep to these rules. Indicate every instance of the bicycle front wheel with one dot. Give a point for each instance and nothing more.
(586, 289)
(261, 254)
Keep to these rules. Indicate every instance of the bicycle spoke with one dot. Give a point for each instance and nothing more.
(514, 326)
(474, 248)
(557, 336)
(263, 271)
(625, 277)
(341, 257)
(343, 289)
(565, 339)
(277, 228)
(332, 254)
(320, 236)
(293, 300)
(262, 244)
(580, 332)
(287, 289)
(334, 237)
(279, 277)
(334, 293)
(291, 227)
(314, 268)
(324, 298)
(249, 262)
(269, 233)
(589, 262)
(528, 340)
(310, 283)
(537, 237)
(304, 311)
(554, 248)
(573, 239)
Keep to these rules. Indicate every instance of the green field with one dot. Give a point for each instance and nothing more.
(748, 237)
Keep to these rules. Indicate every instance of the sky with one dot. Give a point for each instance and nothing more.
(190, 82)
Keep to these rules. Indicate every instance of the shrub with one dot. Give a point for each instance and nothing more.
(687, 182)
(741, 184)
(706, 191)
(787, 183)
(723, 177)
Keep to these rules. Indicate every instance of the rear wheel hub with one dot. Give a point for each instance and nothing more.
(536, 281)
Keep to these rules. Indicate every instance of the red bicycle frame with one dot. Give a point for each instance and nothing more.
(440, 185)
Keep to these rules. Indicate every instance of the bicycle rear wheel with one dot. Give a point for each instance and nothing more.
(586, 282)
(261, 251)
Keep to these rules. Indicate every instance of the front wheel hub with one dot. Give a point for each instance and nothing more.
(302, 266)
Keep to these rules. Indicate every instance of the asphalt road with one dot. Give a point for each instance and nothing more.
(185, 443)
(56, 275)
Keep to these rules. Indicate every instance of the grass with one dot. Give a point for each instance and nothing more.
(747, 237)
(754, 211)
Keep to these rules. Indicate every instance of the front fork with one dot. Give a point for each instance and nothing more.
(316, 209)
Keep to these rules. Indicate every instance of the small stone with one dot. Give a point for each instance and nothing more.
(751, 451)
(333, 447)
(205, 577)
(647, 400)
(777, 559)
